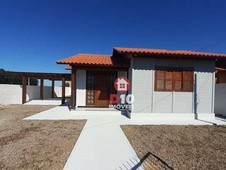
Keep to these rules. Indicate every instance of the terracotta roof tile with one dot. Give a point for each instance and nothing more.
(177, 53)
(95, 60)
(68, 67)
(220, 69)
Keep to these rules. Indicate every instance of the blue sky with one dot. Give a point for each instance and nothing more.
(36, 33)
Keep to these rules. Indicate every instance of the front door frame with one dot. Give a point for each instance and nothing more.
(92, 90)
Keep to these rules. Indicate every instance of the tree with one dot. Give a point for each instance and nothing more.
(67, 84)
(9, 78)
(34, 81)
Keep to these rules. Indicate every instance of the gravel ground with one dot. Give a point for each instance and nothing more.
(28, 144)
(179, 147)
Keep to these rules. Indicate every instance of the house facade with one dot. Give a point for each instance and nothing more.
(162, 82)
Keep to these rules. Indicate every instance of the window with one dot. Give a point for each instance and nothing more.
(180, 80)
(122, 86)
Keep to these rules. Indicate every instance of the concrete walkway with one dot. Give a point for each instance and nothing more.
(102, 144)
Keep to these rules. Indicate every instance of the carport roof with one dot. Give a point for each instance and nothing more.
(50, 76)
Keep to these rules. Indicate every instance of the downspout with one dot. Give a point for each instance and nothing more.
(213, 91)
(195, 98)
(153, 85)
(172, 102)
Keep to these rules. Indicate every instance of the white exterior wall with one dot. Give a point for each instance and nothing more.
(149, 101)
(80, 88)
(58, 91)
(12, 94)
(142, 85)
(205, 87)
(220, 99)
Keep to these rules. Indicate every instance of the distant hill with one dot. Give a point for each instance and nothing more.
(9, 78)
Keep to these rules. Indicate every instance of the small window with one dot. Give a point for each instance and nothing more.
(180, 80)
(122, 85)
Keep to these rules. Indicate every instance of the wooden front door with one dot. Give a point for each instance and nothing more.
(99, 87)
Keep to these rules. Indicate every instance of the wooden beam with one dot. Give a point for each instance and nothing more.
(53, 84)
(63, 91)
(24, 89)
(41, 89)
(73, 88)
(51, 76)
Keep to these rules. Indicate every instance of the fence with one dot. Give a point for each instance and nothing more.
(12, 94)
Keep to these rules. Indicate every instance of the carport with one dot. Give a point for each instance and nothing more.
(43, 76)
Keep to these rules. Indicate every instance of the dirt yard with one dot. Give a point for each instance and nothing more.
(179, 147)
(26, 144)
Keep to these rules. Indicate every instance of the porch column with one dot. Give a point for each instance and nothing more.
(24, 89)
(72, 88)
(63, 91)
(41, 89)
(53, 84)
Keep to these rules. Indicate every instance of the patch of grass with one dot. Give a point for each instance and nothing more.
(179, 147)
(28, 144)
(16, 136)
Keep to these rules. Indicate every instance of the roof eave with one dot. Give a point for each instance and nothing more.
(173, 53)
(100, 65)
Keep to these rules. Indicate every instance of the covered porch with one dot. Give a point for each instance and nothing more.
(92, 79)
(91, 87)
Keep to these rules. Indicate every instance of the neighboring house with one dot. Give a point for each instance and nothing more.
(163, 82)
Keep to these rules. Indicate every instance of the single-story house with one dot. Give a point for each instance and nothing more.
(162, 82)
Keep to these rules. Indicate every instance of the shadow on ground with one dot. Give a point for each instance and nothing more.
(148, 161)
